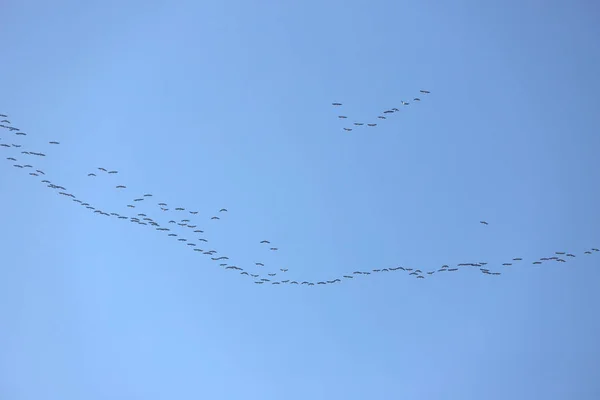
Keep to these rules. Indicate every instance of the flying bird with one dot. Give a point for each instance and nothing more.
(336, 104)
(425, 91)
(483, 222)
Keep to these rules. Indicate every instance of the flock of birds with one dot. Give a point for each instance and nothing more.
(382, 116)
(182, 227)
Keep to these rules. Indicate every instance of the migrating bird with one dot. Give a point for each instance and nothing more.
(102, 169)
(425, 91)
(371, 124)
(274, 248)
(91, 174)
(347, 129)
(113, 172)
(223, 210)
(483, 222)
(263, 241)
(120, 187)
(215, 218)
(336, 104)
(54, 142)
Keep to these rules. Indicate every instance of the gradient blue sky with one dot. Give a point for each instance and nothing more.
(228, 104)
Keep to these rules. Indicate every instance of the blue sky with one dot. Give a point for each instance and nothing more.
(210, 105)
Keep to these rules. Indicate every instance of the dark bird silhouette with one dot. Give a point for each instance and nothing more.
(336, 104)
(54, 142)
(263, 241)
(425, 91)
(215, 218)
(483, 222)
(223, 210)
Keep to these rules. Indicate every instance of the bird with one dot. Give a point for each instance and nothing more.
(54, 142)
(263, 241)
(425, 91)
(91, 174)
(483, 222)
(223, 210)
(259, 264)
(336, 104)
(371, 124)
(113, 172)
(102, 169)
(215, 218)
(121, 187)
(416, 99)
(283, 269)
(274, 248)
(348, 129)
(342, 116)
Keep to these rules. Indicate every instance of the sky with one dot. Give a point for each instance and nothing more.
(211, 105)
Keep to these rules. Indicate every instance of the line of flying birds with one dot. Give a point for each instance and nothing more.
(194, 238)
(383, 115)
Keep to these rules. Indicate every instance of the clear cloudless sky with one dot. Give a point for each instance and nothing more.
(211, 104)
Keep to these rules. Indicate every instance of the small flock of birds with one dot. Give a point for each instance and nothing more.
(187, 232)
(382, 116)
